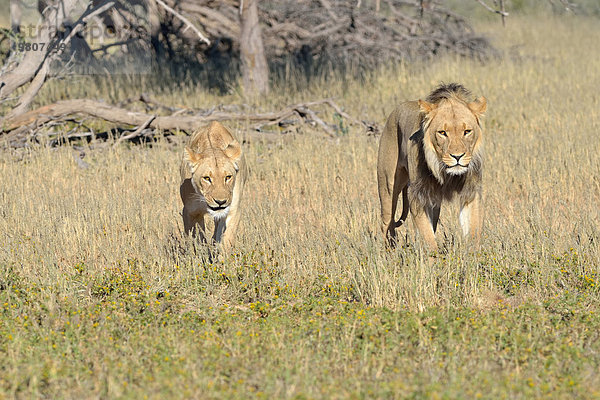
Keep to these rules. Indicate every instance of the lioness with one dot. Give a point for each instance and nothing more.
(213, 174)
(432, 151)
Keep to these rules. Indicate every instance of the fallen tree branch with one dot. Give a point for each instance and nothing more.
(136, 132)
(26, 124)
(305, 111)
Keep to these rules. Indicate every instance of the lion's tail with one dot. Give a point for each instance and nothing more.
(404, 207)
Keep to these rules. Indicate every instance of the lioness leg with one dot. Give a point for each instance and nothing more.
(426, 220)
(471, 218)
(193, 218)
(391, 183)
(230, 228)
(220, 228)
(226, 228)
(193, 223)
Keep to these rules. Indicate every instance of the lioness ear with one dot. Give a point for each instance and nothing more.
(191, 158)
(478, 107)
(233, 150)
(426, 107)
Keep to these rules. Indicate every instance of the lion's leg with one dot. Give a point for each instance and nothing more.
(424, 223)
(193, 224)
(231, 223)
(471, 218)
(228, 225)
(391, 183)
(193, 214)
(390, 177)
(220, 228)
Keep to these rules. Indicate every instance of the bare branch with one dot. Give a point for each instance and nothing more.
(327, 6)
(136, 132)
(185, 21)
(42, 73)
(32, 90)
(490, 9)
(566, 4)
(80, 24)
(503, 10)
(33, 60)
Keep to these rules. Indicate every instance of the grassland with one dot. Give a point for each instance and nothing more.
(100, 299)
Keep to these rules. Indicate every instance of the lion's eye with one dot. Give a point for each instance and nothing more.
(443, 133)
(206, 178)
(467, 131)
(227, 178)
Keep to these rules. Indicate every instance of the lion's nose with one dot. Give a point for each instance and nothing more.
(457, 157)
(220, 202)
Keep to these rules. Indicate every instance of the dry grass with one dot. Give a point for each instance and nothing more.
(311, 214)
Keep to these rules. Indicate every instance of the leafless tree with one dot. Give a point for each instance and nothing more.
(365, 32)
(255, 70)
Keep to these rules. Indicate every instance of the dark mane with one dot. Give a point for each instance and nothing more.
(447, 91)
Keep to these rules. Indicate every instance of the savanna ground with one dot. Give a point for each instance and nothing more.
(99, 299)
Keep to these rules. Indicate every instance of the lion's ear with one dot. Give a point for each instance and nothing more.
(478, 106)
(191, 158)
(426, 107)
(233, 151)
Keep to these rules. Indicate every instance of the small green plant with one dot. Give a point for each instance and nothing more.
(341, 124)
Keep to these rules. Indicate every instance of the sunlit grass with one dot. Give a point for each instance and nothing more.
(100, 297)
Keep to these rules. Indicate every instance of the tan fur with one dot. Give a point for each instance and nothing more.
(213, 173)
(432, 151)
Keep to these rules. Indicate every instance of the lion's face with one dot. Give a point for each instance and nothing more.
(453, 135)
(213, 177)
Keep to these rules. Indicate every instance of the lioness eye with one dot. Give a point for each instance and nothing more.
(443, 133)
(468, 131)
(228, 177)
(206, 178)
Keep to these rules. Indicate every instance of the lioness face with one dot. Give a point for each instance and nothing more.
(214, 179)
(453, 132)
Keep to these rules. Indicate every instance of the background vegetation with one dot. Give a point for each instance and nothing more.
(100, 296)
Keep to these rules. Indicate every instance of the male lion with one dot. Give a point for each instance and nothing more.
(431, 151)
(213, 174)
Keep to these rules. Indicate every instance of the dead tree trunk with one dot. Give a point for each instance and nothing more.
(33, 60)
(255, 70)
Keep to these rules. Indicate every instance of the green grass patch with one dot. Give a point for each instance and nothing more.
(123, 340)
